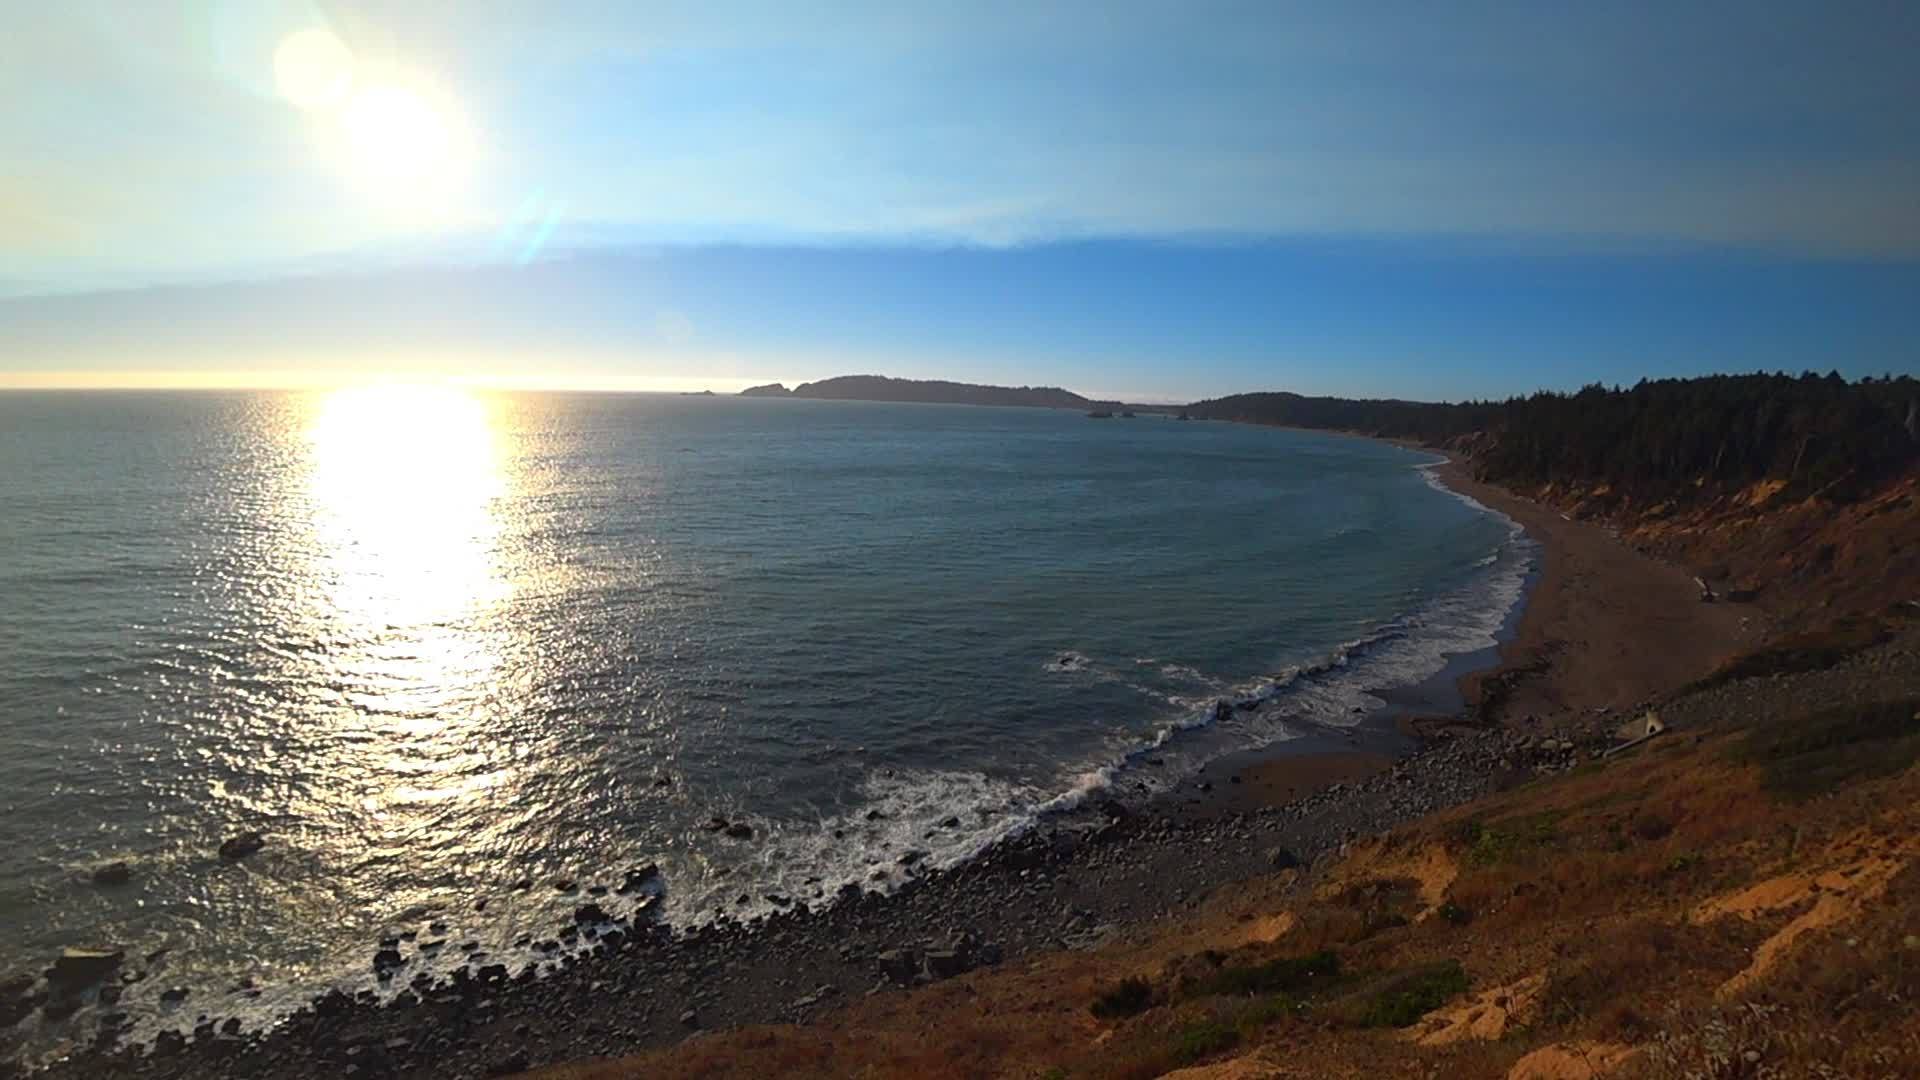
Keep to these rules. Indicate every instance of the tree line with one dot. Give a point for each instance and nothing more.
(1659, 439)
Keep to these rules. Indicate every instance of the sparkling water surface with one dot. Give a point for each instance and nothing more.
(435, 642)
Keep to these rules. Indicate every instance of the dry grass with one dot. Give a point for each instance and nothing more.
(1586, 886)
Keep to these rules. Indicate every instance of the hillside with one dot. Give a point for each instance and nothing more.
(1737, 898)
(1795, 492)
(927, 391)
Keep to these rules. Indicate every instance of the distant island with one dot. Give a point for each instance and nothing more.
(928, 391)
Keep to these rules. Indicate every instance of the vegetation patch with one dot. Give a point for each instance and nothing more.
(1203, 1039)
(1506, 841)
(1288, 975)
(1804, 756)
(1125, 998)
(1412, 995)
(1814, 651)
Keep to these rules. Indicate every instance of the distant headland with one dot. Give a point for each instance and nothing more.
(928, 391)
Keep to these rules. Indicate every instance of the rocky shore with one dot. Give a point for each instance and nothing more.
(615, 980)
(1070, 885)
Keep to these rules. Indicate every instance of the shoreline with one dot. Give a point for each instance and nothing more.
(1068, 882)
(1599, 629)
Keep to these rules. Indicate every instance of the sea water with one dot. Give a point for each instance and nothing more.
(435, 643)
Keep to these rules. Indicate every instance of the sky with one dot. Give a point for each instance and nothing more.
(1154, 201)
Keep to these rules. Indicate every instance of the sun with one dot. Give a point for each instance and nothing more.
(395, 134)
(401, 142)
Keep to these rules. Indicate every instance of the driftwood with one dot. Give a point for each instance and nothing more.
(1654, 727)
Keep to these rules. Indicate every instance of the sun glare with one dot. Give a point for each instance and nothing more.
(404, 479)
(394, 133)
(396, 136)
(313, 69)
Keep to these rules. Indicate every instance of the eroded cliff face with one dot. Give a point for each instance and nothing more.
(1804, 561)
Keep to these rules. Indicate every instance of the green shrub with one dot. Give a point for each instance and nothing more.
(1127, 997)
(1288, 975)
(1414, 995)
(1804, 756)
(1814, 651)
(1204, 1039)
(1511, 840)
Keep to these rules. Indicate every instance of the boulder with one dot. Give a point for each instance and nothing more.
(900, 965)
(1283, 859)
(639, 878)
(77, 969)
(113, 873)
(235, 848)
(946, 963)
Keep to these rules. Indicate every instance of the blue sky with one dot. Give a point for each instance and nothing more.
(1153, 200)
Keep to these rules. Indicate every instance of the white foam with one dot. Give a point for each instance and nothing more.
(898, 812)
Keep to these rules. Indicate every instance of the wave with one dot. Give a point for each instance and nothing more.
(1333, 691)
(898, 825)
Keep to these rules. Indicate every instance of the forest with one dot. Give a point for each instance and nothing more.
(1685, 439)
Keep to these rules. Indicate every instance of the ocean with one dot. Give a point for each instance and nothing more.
(435, 643)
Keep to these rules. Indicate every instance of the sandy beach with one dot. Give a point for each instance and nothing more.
(1604, 626)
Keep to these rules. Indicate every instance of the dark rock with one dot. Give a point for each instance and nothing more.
(386, 960)
(174, 995)
(241, 846)
(946, 963)
(715, 824)
(639, 878)
(1282, 859)
(80, 968)
(591, 913)
(950, 822)
(740, 830)
(513, 1063)
(114, 873)
(900, 965)
(911, 857)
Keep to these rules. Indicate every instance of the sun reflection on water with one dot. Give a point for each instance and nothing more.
(404, 482)
(406, 488)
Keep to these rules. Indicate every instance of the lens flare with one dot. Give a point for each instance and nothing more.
(313, 69)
